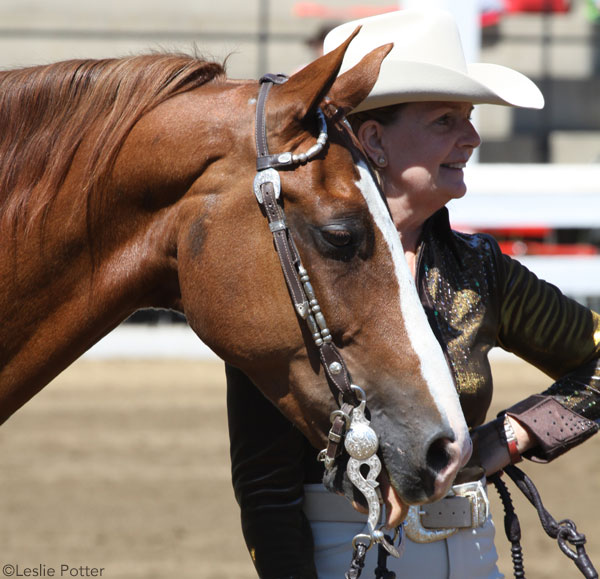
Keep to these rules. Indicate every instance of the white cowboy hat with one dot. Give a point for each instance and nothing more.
(427, 63)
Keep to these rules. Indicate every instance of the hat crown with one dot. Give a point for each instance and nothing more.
(418, 36)
(427, 63)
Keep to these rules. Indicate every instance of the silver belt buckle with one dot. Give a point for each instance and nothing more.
(480, 504)
(480, 509)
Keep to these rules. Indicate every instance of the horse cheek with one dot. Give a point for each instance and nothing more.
(225, 295)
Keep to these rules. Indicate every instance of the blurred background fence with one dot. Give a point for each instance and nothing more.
(536, 182)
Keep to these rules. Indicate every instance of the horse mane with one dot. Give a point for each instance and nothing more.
(46, 112)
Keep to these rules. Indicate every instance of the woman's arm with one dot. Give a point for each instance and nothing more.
(560, 337)
(267, 454)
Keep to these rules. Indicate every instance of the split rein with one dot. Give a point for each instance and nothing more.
(349, 424)
(564, 531)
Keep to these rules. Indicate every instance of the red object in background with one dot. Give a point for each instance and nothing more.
(527, 231)
(537, 5)
(317, 10)
(490, 18)
(531, 240)
(524, 247)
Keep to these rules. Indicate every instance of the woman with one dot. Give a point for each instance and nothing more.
(416, 130)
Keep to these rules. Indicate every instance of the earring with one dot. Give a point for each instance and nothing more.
(381, 161)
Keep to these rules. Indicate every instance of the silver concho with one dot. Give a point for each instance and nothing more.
(265, 176)
(361, 440)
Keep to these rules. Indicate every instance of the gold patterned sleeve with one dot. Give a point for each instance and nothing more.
(562, 338)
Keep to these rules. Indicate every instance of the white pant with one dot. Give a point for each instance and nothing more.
(468, 554)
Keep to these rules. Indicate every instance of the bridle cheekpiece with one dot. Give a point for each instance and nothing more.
(349, 424)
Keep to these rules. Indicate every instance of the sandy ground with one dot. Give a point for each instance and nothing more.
(121, 470)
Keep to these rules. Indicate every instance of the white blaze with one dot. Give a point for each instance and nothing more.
(434, 368)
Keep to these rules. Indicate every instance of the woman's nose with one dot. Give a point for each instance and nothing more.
(470, 137)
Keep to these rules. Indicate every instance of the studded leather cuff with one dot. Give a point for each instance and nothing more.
(556, 428)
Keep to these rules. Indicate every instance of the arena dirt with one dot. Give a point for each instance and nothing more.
(121, 470)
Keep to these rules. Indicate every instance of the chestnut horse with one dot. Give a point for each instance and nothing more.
(127, 184)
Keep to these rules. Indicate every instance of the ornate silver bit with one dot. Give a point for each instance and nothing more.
(266, 176)
(362, 443)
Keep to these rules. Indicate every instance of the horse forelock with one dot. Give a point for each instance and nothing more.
(46, 112)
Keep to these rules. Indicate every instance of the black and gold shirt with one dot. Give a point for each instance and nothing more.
(476, 298)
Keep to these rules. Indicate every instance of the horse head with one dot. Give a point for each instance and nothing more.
(346, 239)
(129, 183)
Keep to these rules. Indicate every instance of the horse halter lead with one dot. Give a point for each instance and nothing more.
(348, 424)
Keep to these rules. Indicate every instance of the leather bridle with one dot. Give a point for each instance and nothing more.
(267, 188)
(349, 425)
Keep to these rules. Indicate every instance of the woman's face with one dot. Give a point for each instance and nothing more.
(426, 149)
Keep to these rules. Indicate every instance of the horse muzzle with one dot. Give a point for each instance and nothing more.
(421, 467)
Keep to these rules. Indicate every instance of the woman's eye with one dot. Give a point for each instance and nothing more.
(337, 237)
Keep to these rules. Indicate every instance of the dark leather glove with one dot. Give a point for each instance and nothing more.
(490, 453)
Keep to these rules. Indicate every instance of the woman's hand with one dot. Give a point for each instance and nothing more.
(490, 450)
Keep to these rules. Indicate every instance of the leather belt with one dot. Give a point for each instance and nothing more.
(447, 513)
(465, 507)
(323, 506)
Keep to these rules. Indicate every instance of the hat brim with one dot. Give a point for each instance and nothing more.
(403, 81)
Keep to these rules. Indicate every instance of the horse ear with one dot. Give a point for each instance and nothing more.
(308, 86)
(352, 87)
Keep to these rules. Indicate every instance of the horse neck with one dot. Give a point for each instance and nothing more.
(64, 291)
(84, 265)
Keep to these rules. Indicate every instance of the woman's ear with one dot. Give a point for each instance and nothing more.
(370, 137)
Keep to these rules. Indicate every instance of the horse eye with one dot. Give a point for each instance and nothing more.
(337, 236)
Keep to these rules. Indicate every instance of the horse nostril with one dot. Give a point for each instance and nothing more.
(439, 455)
